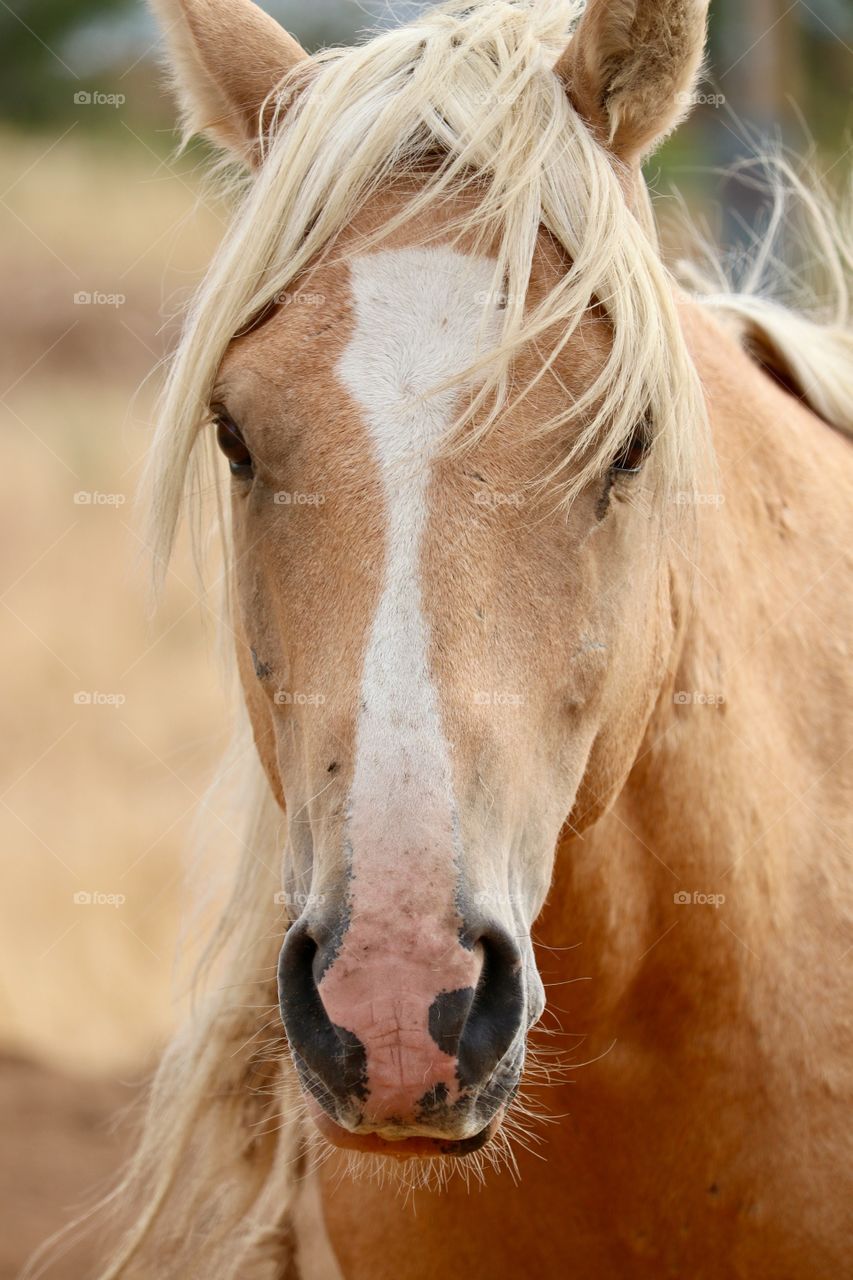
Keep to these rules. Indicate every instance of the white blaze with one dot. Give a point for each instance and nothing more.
(418, 320)
(418, 316)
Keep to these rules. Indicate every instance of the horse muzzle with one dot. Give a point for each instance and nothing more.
(415, 1052)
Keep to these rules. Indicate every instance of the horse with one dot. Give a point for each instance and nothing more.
(535, 958)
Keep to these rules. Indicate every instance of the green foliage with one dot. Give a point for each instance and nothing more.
(38, 77)
(764, 54)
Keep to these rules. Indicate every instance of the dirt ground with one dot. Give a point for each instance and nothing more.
(64, 1139)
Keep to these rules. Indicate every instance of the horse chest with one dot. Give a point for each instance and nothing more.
(683, 1185)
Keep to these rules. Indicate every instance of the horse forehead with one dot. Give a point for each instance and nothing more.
(419, 317)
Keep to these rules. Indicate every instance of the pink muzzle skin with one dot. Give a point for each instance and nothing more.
(386, 990)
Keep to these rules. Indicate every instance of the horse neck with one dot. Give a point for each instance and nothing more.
(736, 780)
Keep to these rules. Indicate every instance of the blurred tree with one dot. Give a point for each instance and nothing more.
(51, 49)
(764, 55)
(38, 81)
(786, 69)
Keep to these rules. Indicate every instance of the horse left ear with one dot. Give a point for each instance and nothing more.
(630, 69)
(226, 56)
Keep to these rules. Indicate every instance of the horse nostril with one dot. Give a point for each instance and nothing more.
(496, 1010)
(328, 1052)
(301, 1006)
(393, 1033)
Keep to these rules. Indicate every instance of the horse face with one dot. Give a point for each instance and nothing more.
(442, 666)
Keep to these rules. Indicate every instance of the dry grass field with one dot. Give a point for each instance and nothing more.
(113, 722)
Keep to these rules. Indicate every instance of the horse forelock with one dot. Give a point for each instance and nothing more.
(456, 103)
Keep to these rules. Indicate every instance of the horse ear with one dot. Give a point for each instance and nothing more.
(630, 69)
(226, 56)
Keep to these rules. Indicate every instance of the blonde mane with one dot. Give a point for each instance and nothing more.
(787, 300)
(465, 95)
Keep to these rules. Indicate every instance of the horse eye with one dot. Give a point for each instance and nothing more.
(631, 457)
(232, 444)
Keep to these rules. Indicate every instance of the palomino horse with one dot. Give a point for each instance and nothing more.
(535, 566)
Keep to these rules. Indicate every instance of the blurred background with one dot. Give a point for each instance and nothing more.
(114, 723)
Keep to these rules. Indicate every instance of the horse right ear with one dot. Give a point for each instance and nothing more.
(630, 69)
(226, 56)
